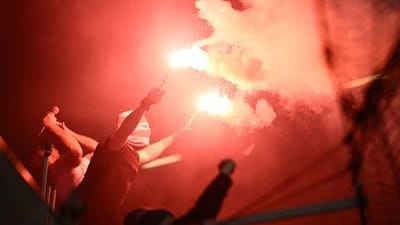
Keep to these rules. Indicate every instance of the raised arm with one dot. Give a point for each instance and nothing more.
(73, 151)
(210, 201)
(119, 137)
(153, 151)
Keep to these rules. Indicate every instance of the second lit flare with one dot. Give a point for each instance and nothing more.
(212, 103)
(193, 57)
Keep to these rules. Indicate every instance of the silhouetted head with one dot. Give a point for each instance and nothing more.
(36, 158)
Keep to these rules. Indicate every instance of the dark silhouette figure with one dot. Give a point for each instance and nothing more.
(207, 206)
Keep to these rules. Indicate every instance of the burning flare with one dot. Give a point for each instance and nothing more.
(235, 112)
(193, 57)
(215, 104)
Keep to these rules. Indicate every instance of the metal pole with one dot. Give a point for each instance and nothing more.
(288, 213)
(43, 209)
(47, 152)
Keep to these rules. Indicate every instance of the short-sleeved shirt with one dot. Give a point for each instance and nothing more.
(64, 179)
(107, 182)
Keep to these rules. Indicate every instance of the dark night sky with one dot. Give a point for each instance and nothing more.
(90, 59)
(95, 59)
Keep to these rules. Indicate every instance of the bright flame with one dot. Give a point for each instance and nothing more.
(214, 103)
(193, 57)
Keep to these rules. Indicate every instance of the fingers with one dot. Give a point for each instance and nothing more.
(50, 118)
(159, 91)
(162, 90)
(55, 109)
(50, 115)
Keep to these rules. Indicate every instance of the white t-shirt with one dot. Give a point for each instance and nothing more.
(64, 179)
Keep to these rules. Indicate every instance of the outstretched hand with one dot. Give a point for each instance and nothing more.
(153, 97)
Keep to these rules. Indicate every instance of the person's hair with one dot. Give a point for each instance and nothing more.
(34, 161)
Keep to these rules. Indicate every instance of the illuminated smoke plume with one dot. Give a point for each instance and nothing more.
(236, 112)
(272, 46)
(244, 116)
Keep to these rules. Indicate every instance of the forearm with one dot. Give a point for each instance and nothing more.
(72, 147)
(154, 150)
(89, 144)
(118, 139)
(210, 201)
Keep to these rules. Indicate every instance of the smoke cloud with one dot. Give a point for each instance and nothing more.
(244, 116)
(271, 45)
